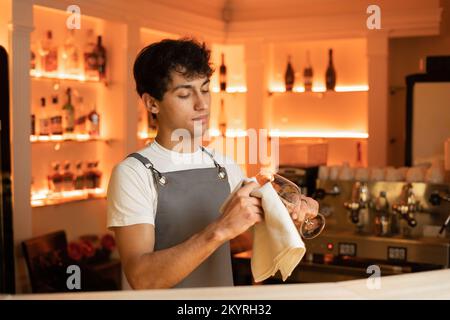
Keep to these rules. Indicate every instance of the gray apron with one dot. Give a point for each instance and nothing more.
(188, 201)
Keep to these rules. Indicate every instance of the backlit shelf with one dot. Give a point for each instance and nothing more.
(76, 137)
(319, 134)
(35, 74)
(318, 89)
(43, 198)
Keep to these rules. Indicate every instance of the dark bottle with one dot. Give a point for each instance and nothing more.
(69, 113)
(67, 177)
(100, 54)
(56, 126)
(92, 175)
(55, 178)
(308, 74)
(223, 75)
(79, 180)
(289, 76)
(44, 122)
(33, 125)
(330, 76)
(222, 119)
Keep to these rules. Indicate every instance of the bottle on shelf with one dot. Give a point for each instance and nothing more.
(55, 178)
(90, 60)
(79, 180)
(359, 162)
(93, 123)
(33, 124)
(33, 64)
(92, 175)
(81, 118)
(223, 74)
(100, 54)
(67, 177)
(330, 75)
(308, 74)
(49, 53)
(56, 127)
(71, 54)
(222, 119)
(69, 113)
(44, 123)
(289, 76)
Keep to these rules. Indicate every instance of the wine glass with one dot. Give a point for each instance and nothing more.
(291, 196)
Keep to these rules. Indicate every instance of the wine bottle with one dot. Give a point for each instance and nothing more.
(330, 75)
(289, 76)
(56, 117)
(49, 54)
(44, 124)
(100, 53)
(223, 74)
(222, 119)
(90, 60)
(308, 74)
(69, 113)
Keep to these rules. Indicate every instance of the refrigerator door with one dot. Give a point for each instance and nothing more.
(7, 283)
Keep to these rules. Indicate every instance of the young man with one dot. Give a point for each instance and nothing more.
(163, 205)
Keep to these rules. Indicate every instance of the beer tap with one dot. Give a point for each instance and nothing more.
(407, 205)
(359, 200)
(435, 199)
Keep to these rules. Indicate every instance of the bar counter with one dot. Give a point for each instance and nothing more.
(420, 285)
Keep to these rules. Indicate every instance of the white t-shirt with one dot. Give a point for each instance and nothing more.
(132, 197)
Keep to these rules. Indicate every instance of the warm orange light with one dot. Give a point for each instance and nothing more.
(231, 133)
(318, 134)
(61, 76)
(233, 89)
(46, 197)
(146, 135)
(321, 88)
(63, 137)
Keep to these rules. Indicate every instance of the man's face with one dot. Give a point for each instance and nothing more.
(186, 101)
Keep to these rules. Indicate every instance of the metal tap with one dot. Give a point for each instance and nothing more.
(407, 205)
(359, 200)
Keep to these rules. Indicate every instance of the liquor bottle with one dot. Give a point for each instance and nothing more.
(33, 56)
(222, 119)
(90, 60)
(308, 74)
(330, 76)
(33, 124)
(44, 123)
(93, 123)
(69, 113)
(49, 54)
(67, 177)
(289, 76)
(100, 54)
(92, 175)
(55, 178)
(79, 180)
(56, 127)
(81, 117)
(223, 75)
(71, 54)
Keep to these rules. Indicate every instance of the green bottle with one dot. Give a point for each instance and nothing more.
(69, 113)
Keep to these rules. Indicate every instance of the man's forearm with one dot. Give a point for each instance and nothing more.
(166, 268)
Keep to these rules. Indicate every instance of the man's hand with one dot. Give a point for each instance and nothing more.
(307, 208)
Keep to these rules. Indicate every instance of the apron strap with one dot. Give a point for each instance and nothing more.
(159, 178)
(222, 172)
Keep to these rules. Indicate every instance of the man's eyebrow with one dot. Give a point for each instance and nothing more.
(188, 86)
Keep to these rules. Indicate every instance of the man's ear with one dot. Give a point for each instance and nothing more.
(150, 103)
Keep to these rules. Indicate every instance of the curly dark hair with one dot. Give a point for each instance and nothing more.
(155, 62)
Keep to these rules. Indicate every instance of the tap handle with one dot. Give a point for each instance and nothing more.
(435, 198)
(355, 217)
(412, 222)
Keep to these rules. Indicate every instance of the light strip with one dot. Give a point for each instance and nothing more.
(62, 76)
(318, 134)
(64, 137)
(45, 196)
(320, 89)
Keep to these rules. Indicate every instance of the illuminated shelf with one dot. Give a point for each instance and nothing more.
(62, 76)
(237, 89)
(46, 198)
(66, 138)
(319, 89)
(319, 134)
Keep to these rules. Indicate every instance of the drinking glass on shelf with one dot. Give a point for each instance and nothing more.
(291, 196)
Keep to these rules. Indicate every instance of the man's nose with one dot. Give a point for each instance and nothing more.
(201, 102)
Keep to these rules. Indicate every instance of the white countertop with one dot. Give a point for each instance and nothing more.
(420, 285)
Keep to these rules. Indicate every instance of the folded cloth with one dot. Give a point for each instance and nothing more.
(277, 244)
